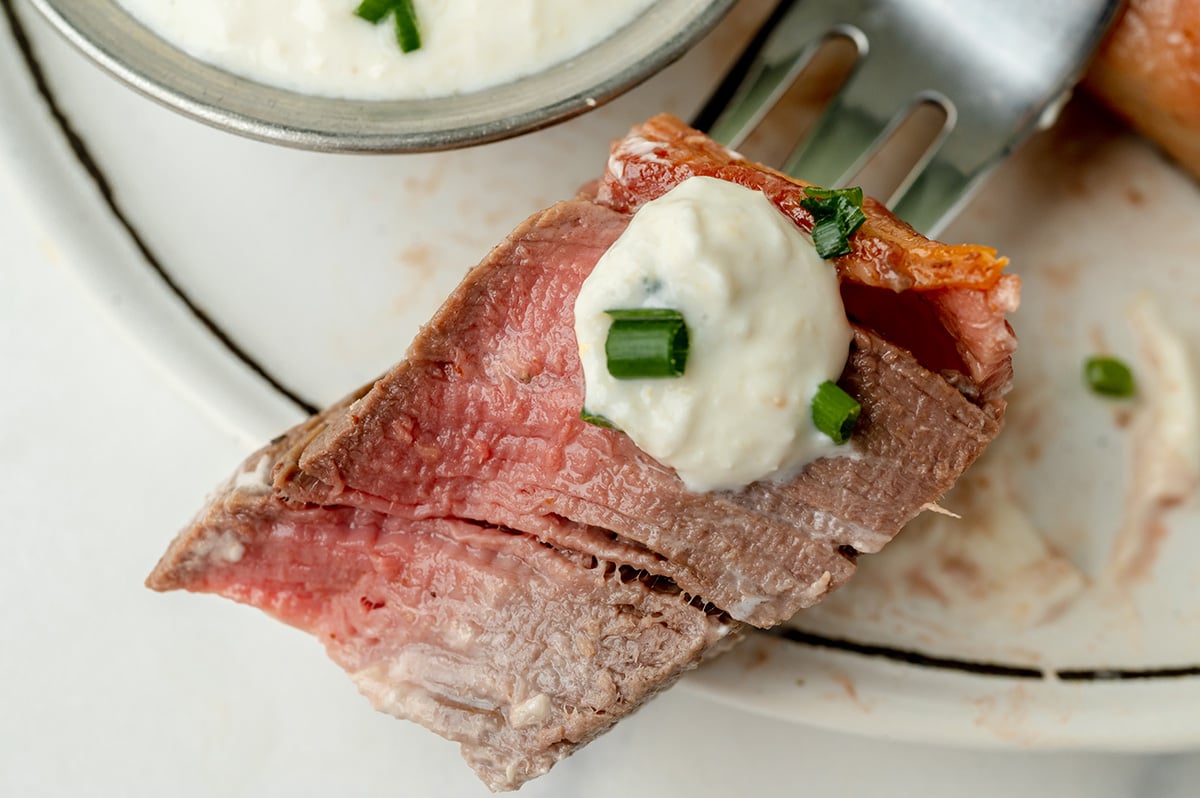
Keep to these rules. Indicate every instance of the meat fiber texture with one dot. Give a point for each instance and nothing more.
(482, 561)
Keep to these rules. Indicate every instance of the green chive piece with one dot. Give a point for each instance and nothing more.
(596, 418)
(850, 215)
(408, 34)
(1108, 376)
(854, 193)
(374, 10)
(828, 239)
(835, 412)
(646, 342)
(837, 215)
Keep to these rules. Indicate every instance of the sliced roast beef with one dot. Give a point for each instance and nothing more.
(486, 563)
(516, 649)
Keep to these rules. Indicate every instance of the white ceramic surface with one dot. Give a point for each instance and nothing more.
(321, 268)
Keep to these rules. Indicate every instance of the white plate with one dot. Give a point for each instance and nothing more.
(1007, 627)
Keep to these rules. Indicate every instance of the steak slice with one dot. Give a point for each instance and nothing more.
(516, 649)
(482, 561)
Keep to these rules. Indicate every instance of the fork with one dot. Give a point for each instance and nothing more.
(999, 69)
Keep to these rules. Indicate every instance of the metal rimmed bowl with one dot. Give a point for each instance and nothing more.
(122, 45)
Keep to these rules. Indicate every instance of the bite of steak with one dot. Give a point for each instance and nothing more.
(486, 563)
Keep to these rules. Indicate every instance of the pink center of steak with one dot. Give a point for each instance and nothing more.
(481, 422)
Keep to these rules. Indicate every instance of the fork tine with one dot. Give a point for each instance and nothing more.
(783, 46)
(976, 141)
(999, 78)
(858, 118)
(937, 191)
(945, 181)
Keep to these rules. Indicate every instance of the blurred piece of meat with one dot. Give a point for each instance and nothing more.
(1148, 72)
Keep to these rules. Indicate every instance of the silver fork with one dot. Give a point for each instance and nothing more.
(1000, 69)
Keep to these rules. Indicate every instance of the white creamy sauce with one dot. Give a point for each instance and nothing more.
(766, 327)
(321, 47)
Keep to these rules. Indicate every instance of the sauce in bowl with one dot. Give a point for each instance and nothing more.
(321, 47)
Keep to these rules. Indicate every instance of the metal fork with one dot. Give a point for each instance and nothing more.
(1000, 69)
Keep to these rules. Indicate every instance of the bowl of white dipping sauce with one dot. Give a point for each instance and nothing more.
(314, 74)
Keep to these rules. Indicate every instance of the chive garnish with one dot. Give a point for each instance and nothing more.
(1108, 376)
(835, 412)
(854, 194)
(596, 418)
(837, 213)
(646, 342)
(408, 35)
(374, 10)
(828, 238)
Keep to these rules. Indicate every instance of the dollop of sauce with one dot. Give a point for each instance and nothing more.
(766, 326)
(321, 47)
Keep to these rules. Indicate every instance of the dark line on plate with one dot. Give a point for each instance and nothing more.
(1125, 674)
(82, 154)
(922, 660)
(907, 656)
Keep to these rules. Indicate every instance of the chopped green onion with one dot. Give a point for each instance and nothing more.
(828, 238)
(835, 412)
(374, 10)
(850, 215)
(646, 342)
(837, 215)
(854, 194)
(408, 35)
(1108, 376)
(596, 418)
